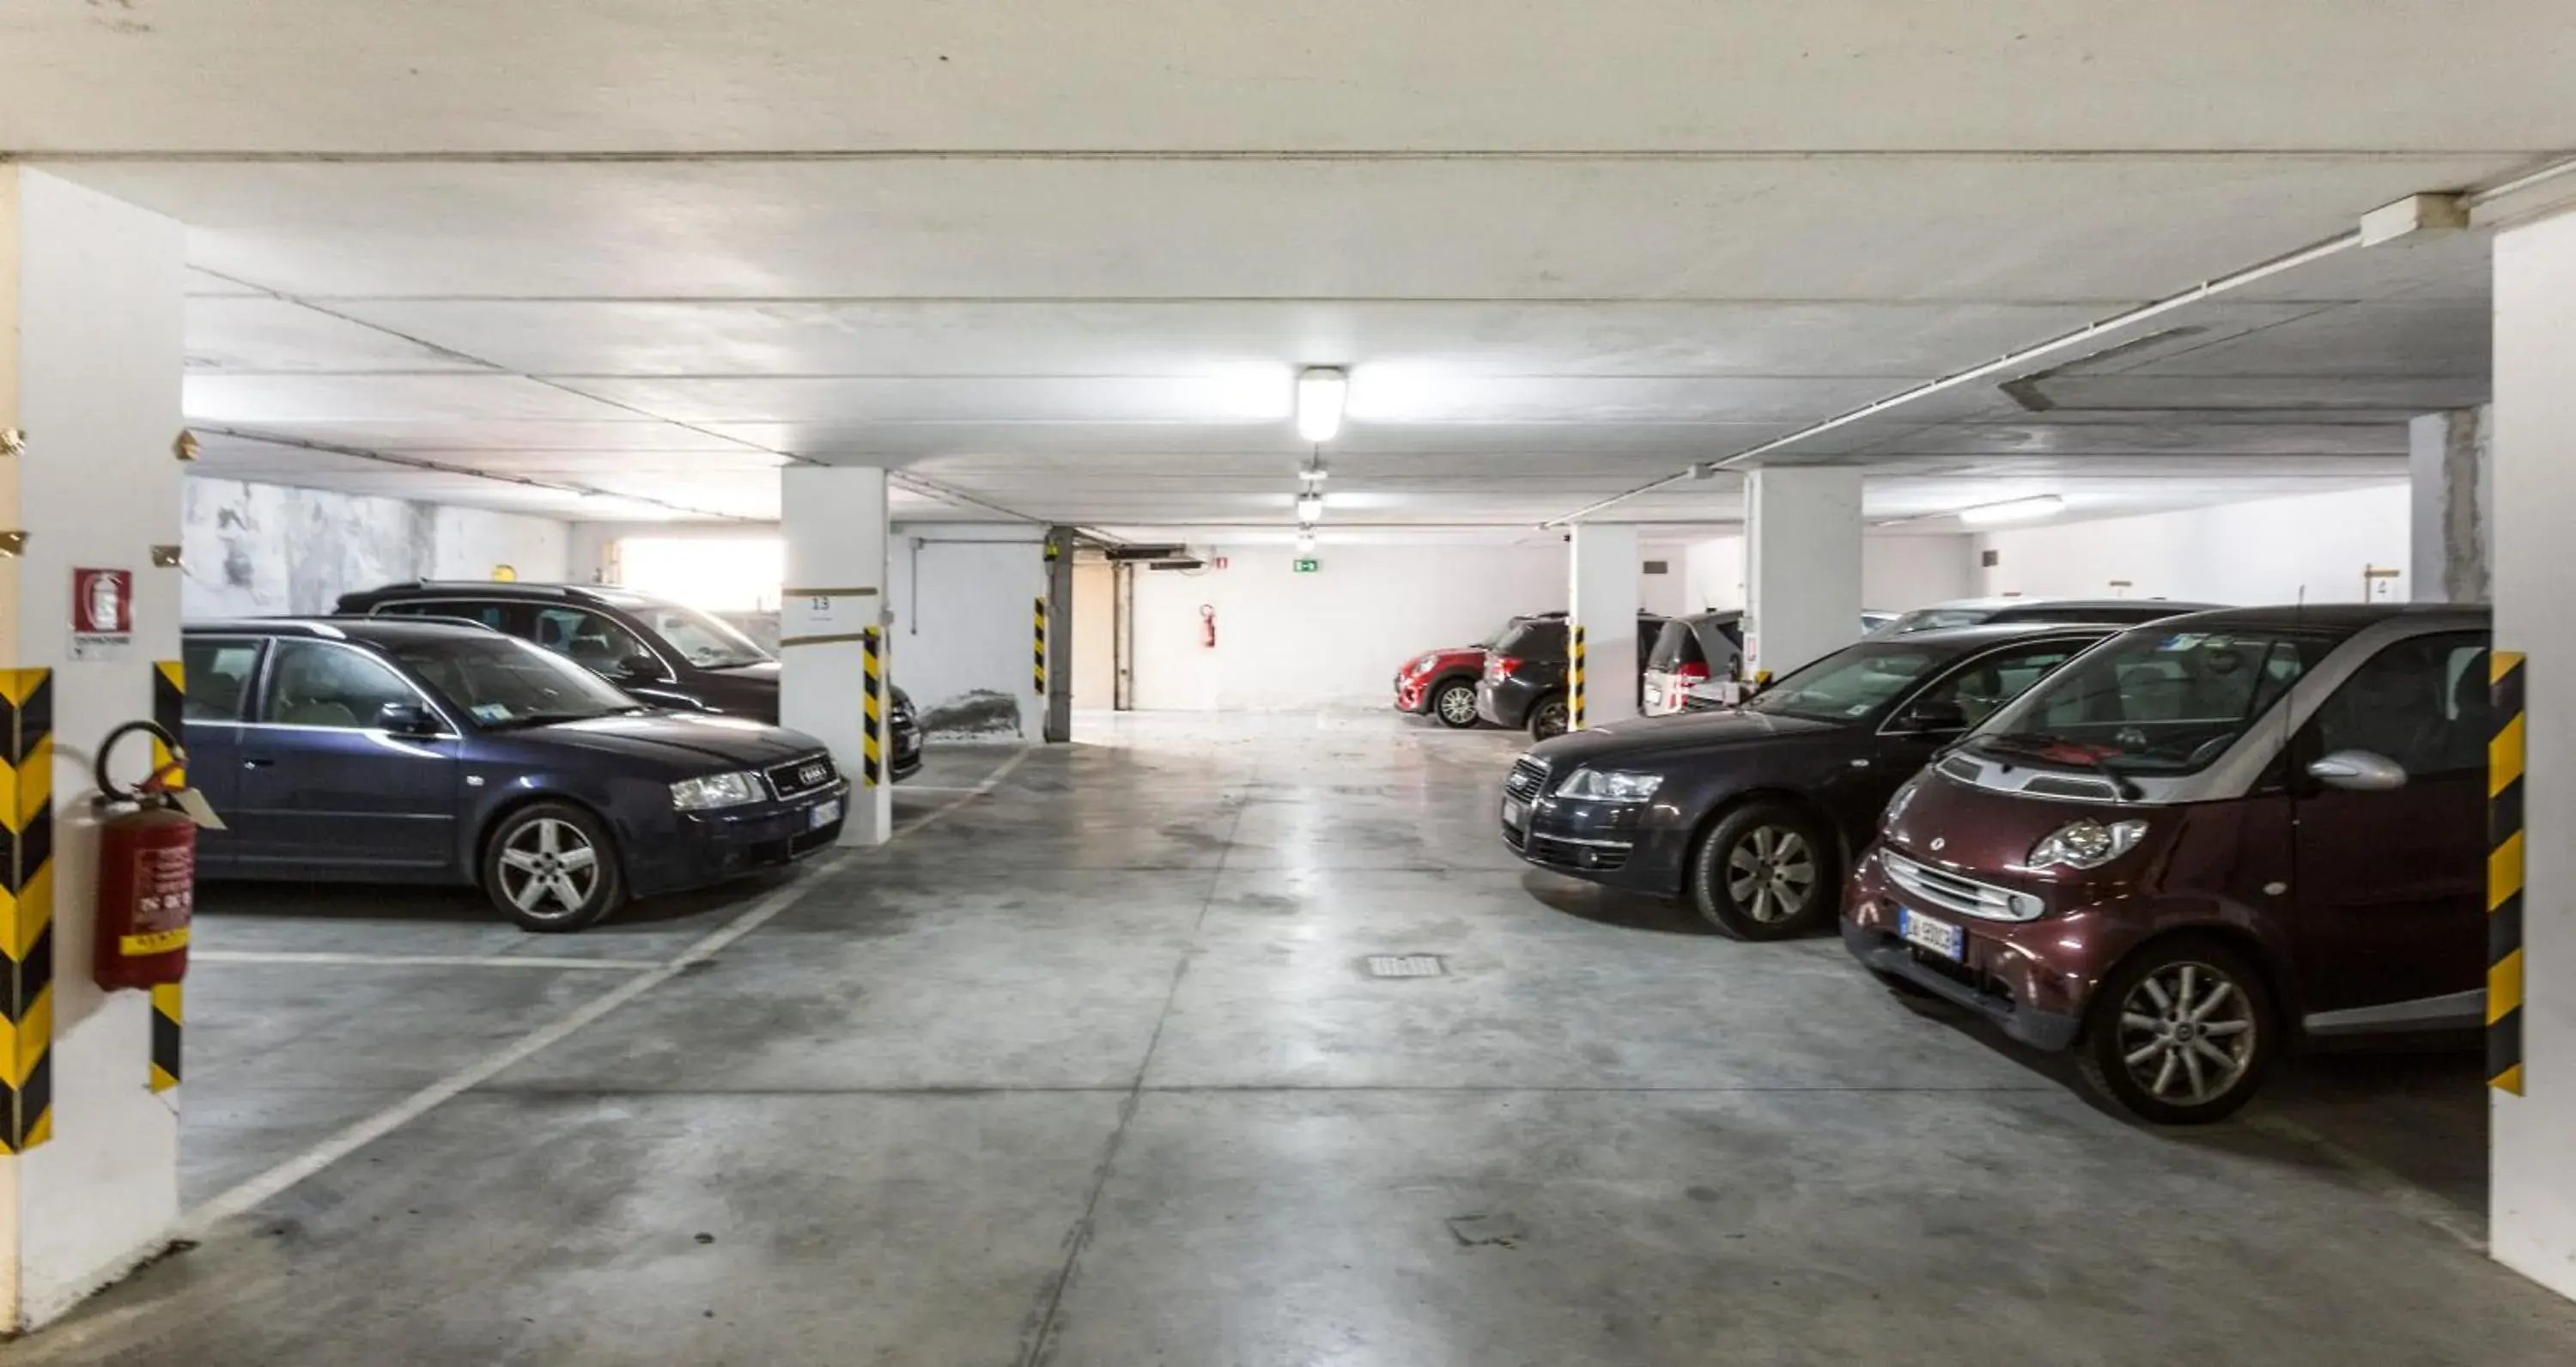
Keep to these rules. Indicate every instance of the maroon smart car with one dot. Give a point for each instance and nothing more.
(2199, 841)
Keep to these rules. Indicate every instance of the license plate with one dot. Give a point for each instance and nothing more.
(1515, 813)
(823, 814)
(1940, 937)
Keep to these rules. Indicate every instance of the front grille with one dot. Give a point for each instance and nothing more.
(1966, 896)
(1527, 780)
(1569, 854)
(797, 777)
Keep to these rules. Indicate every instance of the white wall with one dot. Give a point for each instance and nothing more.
(263, 549)
(1897, 573)
(1333, 638)
(2239, 553)
(2532, 1197)
(963, 597)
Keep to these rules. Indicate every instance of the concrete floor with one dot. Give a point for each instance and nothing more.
(1089, 1071)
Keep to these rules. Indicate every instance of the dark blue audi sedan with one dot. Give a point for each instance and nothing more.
(418, 751)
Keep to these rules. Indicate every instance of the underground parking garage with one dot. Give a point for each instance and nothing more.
(1126, 686)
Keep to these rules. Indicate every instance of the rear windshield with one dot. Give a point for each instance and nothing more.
(1532, 638)
(1851, 683)
(1676, 645)
(2152, 703)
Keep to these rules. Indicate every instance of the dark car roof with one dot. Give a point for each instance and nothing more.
(1979, 635)
(2343, 617)
(372, 630)
(609, 595)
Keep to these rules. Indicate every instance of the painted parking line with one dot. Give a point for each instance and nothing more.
(199, 1223)
(258, 956)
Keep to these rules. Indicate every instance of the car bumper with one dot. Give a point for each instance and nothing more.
(1616, 844)
(907, 753)
(1411, 696)
(695, 849)
(2006, 972)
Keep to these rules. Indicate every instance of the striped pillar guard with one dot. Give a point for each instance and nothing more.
(170, 709)
(1038, 660)
(1574, 682)
(872, 734)
(2504, 875)
(26, 908)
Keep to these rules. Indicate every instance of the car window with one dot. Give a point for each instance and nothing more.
(1538, 638)
(314, 684)
(502, 681)
(1849, 684)
(2152, 701)
(702, 640)
(1675, 645)
(2421, 702)
(498, 615)
(593, 641)
(218, 676)
(1986, 683)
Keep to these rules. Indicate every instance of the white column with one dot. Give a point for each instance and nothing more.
(91, 345)
(2532, 1192)
(2452, 543)
(1801, 565)
(1603, 599)
(835, 521)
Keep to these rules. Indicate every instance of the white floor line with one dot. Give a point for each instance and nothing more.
(197, 1224)
(2379, 1180)
(262, 956)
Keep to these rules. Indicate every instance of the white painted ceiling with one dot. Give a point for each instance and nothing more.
(1061, 258)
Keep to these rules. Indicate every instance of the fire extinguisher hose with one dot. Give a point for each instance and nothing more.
(150, 786)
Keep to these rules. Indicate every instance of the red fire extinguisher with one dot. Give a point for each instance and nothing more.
(1207, 625)
(147, 871)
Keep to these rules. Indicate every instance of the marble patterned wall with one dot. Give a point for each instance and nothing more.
(264, 549)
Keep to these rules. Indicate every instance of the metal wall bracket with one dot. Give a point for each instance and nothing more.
(13, 544)
(12, 442)
(165, 557)
(184, 446)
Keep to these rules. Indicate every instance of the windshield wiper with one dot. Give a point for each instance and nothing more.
(2058, 747)
(551, 718)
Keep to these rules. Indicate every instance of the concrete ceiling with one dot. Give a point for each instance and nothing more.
(1062, 258)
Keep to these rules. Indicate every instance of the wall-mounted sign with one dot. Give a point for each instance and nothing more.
(809, 617)
(1308, 564)
(102, 613)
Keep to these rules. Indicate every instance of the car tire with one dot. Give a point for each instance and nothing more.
(2181, 1032)
(1550, 718)
(1764, 872)
(1454, 704)
(551, 868)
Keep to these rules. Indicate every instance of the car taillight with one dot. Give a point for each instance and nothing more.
(1501, 666)
(1689, 674)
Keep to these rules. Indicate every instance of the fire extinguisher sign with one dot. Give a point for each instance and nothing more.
(165, 894)
(102, 613)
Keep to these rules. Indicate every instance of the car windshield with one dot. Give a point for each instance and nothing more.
(2152, 702)
(1677, 645)
(1930, 619)
(501, 681)
(702, 640)
(1849, 684)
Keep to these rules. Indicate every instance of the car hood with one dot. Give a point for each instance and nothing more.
(688, 740)
(1685, 733)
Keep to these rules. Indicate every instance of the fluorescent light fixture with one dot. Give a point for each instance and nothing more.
(1305, 543)
(1321, 392)
(2012, 510)
(1310, 509)
(1313, 475)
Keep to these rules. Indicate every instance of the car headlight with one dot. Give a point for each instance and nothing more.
(2087, 844)
(1610, 785)
(716, 790)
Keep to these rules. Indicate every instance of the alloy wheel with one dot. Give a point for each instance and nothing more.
(549, 860)
(1550, 721)
(2186, 1033)
(1457, 705)
(1771, 873)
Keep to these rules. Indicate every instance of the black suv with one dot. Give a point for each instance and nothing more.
(660, 651)
(1525, 669)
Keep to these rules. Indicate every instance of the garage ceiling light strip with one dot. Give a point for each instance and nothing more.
(2006, 363)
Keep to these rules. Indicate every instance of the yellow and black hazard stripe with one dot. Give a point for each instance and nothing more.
(26, 907)
(1038, 659)
(2504, 875)
(170, 709)
(1574, 683)
(872, 730)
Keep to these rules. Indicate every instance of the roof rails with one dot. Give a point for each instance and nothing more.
(484, 586)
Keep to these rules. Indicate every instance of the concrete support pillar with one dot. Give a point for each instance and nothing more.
(2532, 1192)
(1058, 724)
(1801, 565)
(1603, 599)
(2447, 460)
(834, 615)
(91, 345)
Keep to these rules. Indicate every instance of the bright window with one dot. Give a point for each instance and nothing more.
(716, 573)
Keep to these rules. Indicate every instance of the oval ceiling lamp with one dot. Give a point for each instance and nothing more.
(1321, 393)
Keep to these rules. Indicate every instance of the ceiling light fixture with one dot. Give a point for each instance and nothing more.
(1321, 392)
(2012, 510)
(1310, 509)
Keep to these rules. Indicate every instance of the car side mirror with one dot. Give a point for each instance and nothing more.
(1933, 714)
(407, 719)
(639, 666)
(2359, 771)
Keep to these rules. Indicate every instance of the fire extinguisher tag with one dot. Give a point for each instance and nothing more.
(198, 809)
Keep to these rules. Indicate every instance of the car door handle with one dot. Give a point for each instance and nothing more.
(257, 763)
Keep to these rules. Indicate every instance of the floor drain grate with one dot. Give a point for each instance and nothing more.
(1405, 966)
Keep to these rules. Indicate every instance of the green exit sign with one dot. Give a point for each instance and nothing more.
(1307, 564)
